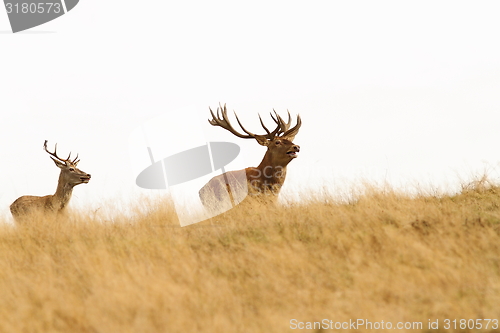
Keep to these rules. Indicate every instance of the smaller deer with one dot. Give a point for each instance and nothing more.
(69, 177)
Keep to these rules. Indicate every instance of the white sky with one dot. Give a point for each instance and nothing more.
(408, 93)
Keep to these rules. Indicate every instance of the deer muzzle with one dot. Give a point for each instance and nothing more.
(293, 152)
(85, 179)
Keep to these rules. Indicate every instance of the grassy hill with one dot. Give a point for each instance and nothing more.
(383, 256)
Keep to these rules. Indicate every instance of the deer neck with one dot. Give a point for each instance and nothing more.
(272, 171)
(63, 193)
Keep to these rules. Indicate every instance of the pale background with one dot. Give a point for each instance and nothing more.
(388, 91)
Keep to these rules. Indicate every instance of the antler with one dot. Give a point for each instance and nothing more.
(282, 128)
(292, 132)
(60, 159)
(223, 121)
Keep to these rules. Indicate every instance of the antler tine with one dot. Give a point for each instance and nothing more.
(275, 119)
(268, 133)
(289, 122)
(213, 121)
(223, 112)
(222, 120)
(243, 128)
(45, 146)
(286, 126)
(294, 130)
(277, 131)
(282, 126)
(217, 121)
(74, 160)
(54, 153)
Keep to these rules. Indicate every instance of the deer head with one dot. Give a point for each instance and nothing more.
(70, 174)
(280, 148)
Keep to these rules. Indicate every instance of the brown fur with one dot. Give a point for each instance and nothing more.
(263, 182)
(69, 177)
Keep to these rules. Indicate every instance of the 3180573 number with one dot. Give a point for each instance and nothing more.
(32, 8)
(470, 324)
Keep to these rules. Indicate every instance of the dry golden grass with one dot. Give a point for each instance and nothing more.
(384, 256)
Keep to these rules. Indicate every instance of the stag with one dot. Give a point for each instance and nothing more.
(261, 182)
(69, 177)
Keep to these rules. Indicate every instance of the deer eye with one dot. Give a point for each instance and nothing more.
(71, 169)
(278, 142)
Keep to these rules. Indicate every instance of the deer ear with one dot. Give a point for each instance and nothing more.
(58, 163)
(262, 140)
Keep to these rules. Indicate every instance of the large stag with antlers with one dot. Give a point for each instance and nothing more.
(69, 177)
(263, 181)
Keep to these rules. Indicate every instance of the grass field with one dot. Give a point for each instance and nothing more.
(383, 256)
